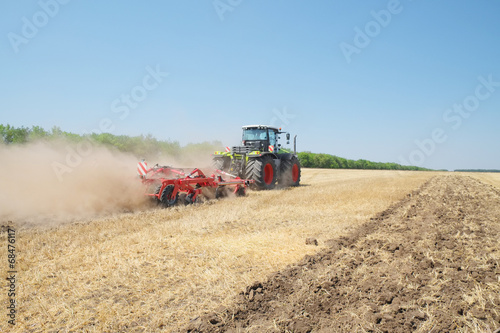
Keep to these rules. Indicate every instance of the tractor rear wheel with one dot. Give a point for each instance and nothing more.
(263, 171)
(290, 171)
(166, 197)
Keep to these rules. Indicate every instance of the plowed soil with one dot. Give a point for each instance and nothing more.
(429, 263)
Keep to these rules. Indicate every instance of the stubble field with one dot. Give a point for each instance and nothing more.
(397, 251)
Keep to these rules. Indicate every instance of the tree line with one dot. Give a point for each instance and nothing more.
(139, 146)
(147, 146)
(326, 161)
(477, 170)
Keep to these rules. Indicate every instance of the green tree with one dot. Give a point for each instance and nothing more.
(37, 133)
(11, 134)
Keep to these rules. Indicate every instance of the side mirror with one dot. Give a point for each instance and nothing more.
(287, 136)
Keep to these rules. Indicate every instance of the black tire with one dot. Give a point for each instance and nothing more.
(190, 201)
(157, 191)
(166, 197)
(290, 171)
(263, 171)
(221, 163)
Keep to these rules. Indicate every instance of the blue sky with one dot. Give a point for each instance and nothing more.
(412, 82)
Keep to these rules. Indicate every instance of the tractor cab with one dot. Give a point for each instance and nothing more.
(261, 138)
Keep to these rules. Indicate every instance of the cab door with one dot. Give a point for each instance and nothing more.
(272, 139)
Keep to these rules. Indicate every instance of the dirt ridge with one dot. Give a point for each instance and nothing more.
(429, 263)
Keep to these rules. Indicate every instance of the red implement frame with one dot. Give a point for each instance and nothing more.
(165, 183)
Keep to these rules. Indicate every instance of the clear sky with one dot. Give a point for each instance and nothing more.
(412, 82)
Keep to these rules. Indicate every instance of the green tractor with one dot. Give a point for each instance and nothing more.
(261, 158)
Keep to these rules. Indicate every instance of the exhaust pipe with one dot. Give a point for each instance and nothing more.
(295, 144)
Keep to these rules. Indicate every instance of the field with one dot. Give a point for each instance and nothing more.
(397, 251)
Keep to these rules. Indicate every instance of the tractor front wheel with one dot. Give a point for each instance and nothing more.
(263, 171)
(221, 163)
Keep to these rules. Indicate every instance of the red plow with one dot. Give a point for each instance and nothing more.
(170, 186)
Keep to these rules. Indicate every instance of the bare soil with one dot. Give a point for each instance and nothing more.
(429, 263)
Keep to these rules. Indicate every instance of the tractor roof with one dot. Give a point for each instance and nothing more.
(261, 126)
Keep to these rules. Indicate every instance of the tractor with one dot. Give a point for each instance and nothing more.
(261, 158)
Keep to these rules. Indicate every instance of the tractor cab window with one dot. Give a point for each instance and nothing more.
(272, 138)
(254, 134)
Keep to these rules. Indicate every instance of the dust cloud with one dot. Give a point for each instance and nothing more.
(49, 183)
(188, 160)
